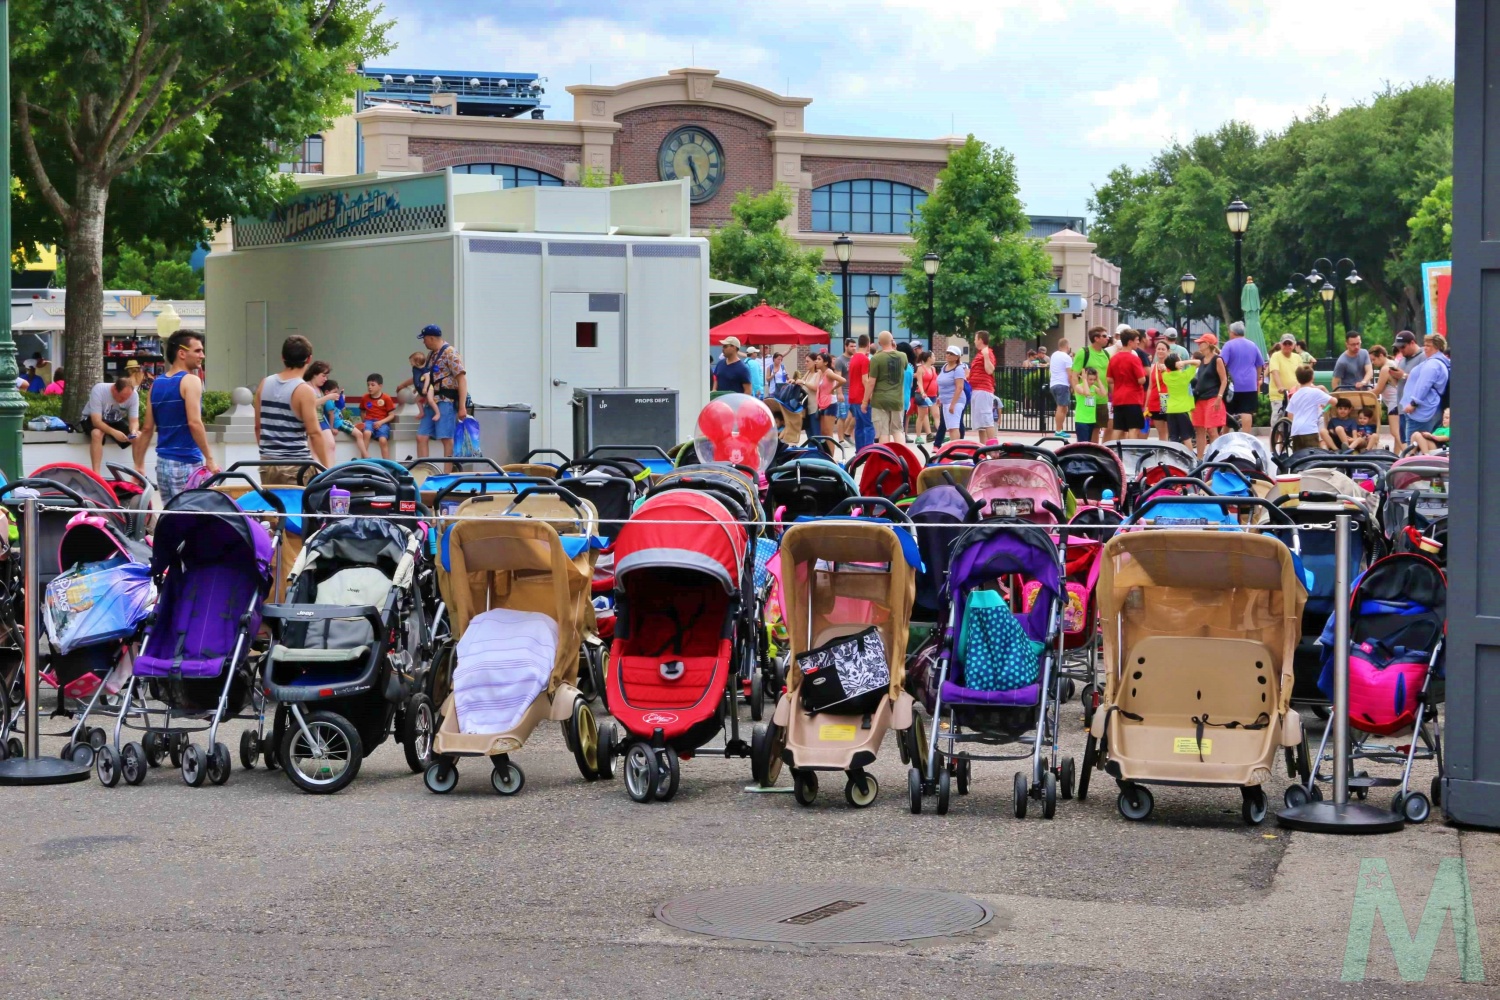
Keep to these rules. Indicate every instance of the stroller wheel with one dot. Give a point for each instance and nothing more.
(416, 732)
(153, 744)
(641, 773)
(1049, 795)
(757, 695)
(670, 773)
(1021, 792)
(441, 777)
(507, 778)
(805, 786)
(13, 748)
(194, 766)
(914, 790)
(1066, 776)
(326, 763)
(249, 749)
(943, 781)
(1253, 805)
(107, 767)
(766, 744)
(1090, 758)
(961, 770)
(585, 739)
(861, 789)
(1135, 802)
(1295, 797)
(1416, 807)
(607, 752)
(1437, 790)
(97, 737)
(218, 764)
(133, 766)
(81, 753)
(1090, 699)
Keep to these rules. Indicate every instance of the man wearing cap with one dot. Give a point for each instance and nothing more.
(1409, 357)
(113, 411)
(731, 374)
(1246, 369)
(450, 383)
(1174, 346)
(757, 372)
(1283, 365)
(34, 381)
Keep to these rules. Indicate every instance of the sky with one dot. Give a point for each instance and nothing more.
(1073, 88)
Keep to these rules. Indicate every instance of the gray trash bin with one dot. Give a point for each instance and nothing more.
(504, 431)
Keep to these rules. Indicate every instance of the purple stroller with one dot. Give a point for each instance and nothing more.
(942, 514)
(214, 564)
(1008, 556)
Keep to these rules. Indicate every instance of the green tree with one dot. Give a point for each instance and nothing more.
(1431, 232)
(993, 277)
(149, 267)
(593, 177)
(753, 249)
(158, 119)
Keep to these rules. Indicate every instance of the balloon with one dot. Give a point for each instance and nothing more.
(738, 429)
(716, 421)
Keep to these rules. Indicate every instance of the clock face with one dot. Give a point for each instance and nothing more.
(693, 153)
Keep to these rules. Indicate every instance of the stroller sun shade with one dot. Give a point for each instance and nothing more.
(683, 529)
(206, 526)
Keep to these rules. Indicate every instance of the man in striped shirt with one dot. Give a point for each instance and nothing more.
(286, 419)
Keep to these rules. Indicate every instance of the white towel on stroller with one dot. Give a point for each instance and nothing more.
(504, 660)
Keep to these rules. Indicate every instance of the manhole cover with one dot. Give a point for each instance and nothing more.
(824, 914)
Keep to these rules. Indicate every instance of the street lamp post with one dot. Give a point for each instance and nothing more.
(930, 262)
(1237, 216)
(872, 303)
(12, 406)
(1326, 294)
(1333, 280)
(1188, 283)
(841, 249)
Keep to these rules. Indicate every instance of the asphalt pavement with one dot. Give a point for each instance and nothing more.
(254, 889)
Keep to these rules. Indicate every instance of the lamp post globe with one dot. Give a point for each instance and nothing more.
(1326, 293)
(930, 262)
(842, 247)
(1187, 283)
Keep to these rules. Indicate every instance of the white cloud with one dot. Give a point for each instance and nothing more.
(1129, 93)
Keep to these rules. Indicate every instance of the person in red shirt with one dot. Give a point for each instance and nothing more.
(982, 381)
(1127, 380)
(859, 367)
(376, 414)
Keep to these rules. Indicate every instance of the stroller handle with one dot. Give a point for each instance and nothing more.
(36, 483)
(270, 498)
(1012, 450)
(1166, 485)
(627, 451)
(1170, 499)
(456, 462)
(1225, 467)
(535, 452)
(551, 489)
(126, 472)
(486, 479)
(872, 506)
(262, 463)
(823, 443)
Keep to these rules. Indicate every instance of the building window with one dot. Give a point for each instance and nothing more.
(865, 207)
(513, 176)
(885, 313)
(306, 158)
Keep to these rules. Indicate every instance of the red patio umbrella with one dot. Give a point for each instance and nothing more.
(767, 325)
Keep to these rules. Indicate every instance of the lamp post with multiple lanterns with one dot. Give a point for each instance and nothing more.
(1332, 281)
(841, 249)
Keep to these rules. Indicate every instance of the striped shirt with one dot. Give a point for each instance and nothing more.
(283, 436)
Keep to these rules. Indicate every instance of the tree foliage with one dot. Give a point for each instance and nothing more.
(149, 267)
(1331, 184)
(753, 249)
(1431, 232)
(992, 276)
(159, 119)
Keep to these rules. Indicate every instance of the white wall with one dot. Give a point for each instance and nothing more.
(666, 303)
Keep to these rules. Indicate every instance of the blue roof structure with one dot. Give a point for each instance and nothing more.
(484, 94)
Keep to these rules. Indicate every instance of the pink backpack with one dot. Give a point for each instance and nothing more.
(1385, 685)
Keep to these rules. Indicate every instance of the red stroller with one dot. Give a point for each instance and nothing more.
(682, 593)
(886, 470)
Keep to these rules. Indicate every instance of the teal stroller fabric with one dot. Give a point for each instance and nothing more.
(994, 652)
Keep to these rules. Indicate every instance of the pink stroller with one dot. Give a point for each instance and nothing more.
(1022, 487)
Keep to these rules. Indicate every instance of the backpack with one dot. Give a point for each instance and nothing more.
(995, 652)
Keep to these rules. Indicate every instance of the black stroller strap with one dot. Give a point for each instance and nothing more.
(678, 628)
(1200, 721)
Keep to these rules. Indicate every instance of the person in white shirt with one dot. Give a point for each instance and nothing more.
(1306, 407)
(113, 411)
(1059, 365)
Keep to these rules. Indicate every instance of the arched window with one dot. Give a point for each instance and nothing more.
(513, 176)
(868, 206)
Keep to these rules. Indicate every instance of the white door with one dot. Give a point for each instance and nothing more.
(588, 352)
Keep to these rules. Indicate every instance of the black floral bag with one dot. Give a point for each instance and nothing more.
(850, 674)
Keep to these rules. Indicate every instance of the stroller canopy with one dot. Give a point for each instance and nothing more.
(1415, 471)
(683, 529)
(93, 537)
(942, 513)
(1019, 478)
(984, 554)
(1090, 469)
(1137, 456)
(361, 541)
(884, 468)
(200, 527)
(1237, 447)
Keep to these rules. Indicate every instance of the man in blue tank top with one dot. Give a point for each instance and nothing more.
(177, 412)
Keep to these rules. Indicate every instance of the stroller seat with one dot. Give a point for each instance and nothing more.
(1171, 681)
(333, 641)
(1023, 697)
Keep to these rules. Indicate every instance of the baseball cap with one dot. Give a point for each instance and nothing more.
(1406, 337)
(1122, 328)
(1171, 334)
(1287, 338)
(430, 330)
(752, 350)
(955, 350)
(30, 362)
(730, 342)
(1208, 338)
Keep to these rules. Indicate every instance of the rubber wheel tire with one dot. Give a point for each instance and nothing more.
(82, 753)
(641, 774)
(441, 776)
(1315, 793)
(961, 772)
(671, 773)
(1253, 805)
(107, 767)
(757, 695)
(607, 740)
(338, 727)
(152, 743)
(13, 748)
(1090, 699)
(584, 733)
(174, 752)
(1049, 795)
(194, 766)
(914, 789)
(760, 754)
(249, 749)
(1020, 792)
(944, 784)
(505, 777)
(418, 723)
(133, 766)
(1437, 790)
(1295, 797)
(96, 737)
(861, 790)
(1135, 803)
(1067, 777)
(1416, 808)
(1090, 758)
(805, 786)
(218, 764)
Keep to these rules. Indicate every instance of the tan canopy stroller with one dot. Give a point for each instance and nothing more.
(514, 573)
(789, 404)
(1200, 628)
(848, 588)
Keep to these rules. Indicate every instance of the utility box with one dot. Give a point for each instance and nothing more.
(635, 417)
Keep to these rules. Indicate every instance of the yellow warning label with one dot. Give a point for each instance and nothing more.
(835, 733)
(1186, 744)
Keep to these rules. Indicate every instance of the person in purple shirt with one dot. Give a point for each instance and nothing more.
(1247, 367)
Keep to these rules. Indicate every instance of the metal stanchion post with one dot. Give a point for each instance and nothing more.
(33, 769)
(1340, 815)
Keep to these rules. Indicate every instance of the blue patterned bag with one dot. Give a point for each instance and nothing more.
(994, 652)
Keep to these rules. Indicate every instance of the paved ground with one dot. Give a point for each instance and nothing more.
(385, 890)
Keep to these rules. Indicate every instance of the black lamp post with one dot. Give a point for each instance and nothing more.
(930, 263)
(1326, 293)
(841, 249)
(872, 302)
(1237, 216)
(1188, 283)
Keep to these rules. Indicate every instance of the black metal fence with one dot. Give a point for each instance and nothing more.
(1026, 399)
